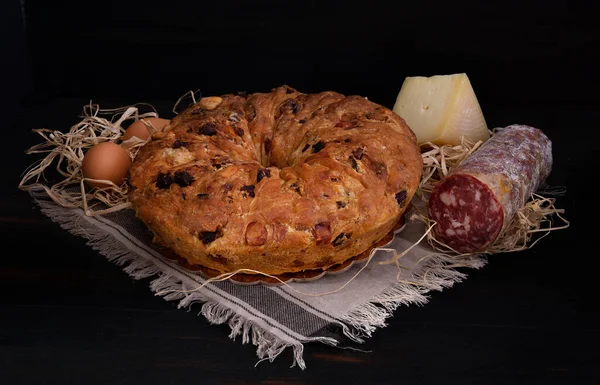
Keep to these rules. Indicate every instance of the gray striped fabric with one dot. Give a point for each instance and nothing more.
(335, 309)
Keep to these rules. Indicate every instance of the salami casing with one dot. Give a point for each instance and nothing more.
(479, 198)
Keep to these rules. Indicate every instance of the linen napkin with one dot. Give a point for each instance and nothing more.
(334, 309)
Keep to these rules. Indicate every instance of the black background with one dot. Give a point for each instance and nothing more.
(534, 53)
(68, 316)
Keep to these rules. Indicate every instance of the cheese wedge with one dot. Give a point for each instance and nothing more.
(441, 109)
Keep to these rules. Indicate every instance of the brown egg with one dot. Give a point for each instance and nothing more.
(140, 130)
(106, 161)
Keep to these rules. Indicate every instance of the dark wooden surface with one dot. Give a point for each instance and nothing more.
(69, 316)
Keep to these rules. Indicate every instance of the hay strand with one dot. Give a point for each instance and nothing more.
(190, 97)
(226, 276)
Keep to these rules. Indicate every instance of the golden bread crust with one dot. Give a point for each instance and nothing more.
(277, 182)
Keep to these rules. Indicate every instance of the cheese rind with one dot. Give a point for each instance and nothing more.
(441, 109)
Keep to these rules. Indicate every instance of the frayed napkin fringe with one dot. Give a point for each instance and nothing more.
(437, 273)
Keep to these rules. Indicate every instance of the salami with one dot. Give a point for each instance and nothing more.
(478, 199)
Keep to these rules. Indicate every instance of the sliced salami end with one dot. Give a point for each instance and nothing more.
(468, 215)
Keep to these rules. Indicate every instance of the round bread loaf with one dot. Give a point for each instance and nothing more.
(277, 182)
